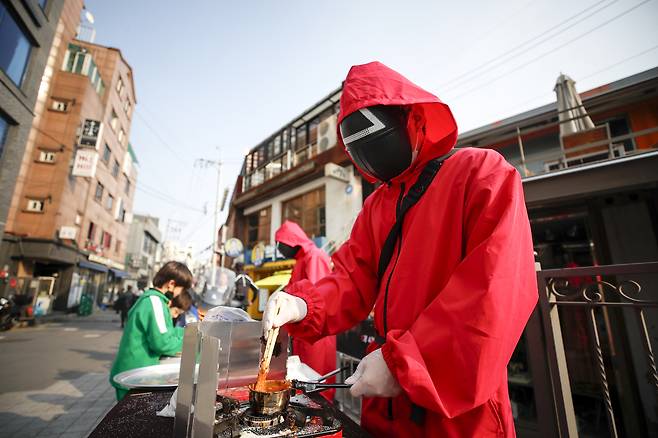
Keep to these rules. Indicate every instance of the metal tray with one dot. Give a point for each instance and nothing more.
(154, 376)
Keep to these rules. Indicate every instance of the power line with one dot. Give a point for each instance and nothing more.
(167, 199)
(158, 136)
(464, 78)
(555, 49)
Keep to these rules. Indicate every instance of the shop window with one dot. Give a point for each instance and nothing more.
(107, 152)
(46, 157)
(59, 105)
(14, 47)
(115, 169)
(258, 227)
(307, 210)
(109, 202)
(35, 205)
(98, 196)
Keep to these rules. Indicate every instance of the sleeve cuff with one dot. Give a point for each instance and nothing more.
(310, 327)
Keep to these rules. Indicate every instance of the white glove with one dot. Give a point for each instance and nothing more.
(283, 308)
(372, 378)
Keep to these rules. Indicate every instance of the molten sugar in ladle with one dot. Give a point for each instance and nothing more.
(264, 366)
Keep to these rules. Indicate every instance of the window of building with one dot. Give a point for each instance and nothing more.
(107, 152)
(46, 157)
(117, 246)
(78, 60)
(115, 169)
(126, 107)
(14, 47)
(109, 202)
(99, 192)
(307, 210)
(35, 205)
(107, 240)
(126, 189)
(301, 137)
(277, 146)
(4, 127)
(114, 121)
(313, 130)
(59, 105)
(258, 227)
(119, 86)
(91, 231)
(122, 136)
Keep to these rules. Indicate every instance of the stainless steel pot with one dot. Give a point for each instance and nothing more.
(272, 400)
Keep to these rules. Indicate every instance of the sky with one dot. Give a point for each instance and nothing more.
(215, 78)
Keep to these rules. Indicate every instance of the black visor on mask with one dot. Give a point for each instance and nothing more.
(376, 138)
(288, 251)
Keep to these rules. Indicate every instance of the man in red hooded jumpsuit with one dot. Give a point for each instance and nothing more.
(311, 264)
(460, 286)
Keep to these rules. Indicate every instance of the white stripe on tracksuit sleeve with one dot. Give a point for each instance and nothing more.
(158, 312)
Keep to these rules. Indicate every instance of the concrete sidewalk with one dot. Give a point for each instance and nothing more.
(66, 409)
(98, 315)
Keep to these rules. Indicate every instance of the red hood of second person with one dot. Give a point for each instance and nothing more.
(376, 84)
(292, 235)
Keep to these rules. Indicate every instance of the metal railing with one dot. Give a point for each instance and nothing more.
(610, 300)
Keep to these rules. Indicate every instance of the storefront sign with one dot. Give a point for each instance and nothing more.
(258, 254)
(68, 233)
(335, 171)
(105, 261)
(233, 247)
(91, 132)
(85, 163)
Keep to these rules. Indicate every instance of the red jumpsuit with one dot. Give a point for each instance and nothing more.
(311, 264)
(461, 285)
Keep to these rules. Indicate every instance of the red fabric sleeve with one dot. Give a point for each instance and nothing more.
(345, 297)
(454, 356)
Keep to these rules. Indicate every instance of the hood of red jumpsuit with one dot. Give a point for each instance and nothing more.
(431, 124)
(292, 235)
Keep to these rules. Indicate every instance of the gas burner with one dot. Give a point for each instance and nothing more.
(251, 419)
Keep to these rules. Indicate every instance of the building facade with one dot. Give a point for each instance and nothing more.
(30, 32)
(300, 173)
(72, 204)
(143, 251)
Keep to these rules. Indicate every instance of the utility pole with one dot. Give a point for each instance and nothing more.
(205, 163)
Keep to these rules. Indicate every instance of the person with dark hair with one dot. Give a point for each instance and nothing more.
(149, 332)
(124, 303)
(183, 310)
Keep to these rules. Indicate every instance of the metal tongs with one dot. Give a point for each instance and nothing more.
(318, 386)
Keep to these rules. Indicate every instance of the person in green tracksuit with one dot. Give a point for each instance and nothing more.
(149, 332)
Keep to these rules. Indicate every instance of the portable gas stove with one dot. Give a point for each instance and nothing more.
(302, 418)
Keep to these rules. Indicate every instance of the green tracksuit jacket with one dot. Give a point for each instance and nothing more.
(149, 333)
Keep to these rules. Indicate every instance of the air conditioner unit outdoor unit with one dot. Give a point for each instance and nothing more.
(327, 133)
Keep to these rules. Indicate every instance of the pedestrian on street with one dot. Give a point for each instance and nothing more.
(187, 312)
(124, 303)
(443, 252)
(311, 264)
(150, 332)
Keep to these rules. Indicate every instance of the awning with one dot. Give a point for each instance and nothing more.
(93, 266)
(119, 273)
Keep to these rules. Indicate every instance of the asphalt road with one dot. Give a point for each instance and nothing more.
(34, 358)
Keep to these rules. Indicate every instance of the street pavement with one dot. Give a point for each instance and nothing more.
(54, 377)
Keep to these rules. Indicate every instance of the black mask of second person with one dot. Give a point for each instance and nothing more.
(376, 138)
(288, 251)
(169, 294)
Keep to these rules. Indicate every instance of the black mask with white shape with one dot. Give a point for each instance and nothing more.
(376, 139)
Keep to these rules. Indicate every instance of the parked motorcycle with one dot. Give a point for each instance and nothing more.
(7, 316)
